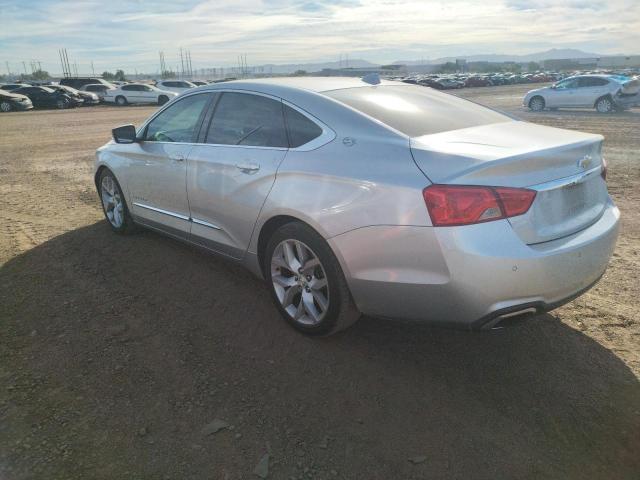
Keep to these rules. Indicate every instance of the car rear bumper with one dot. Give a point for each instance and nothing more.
(471, 276)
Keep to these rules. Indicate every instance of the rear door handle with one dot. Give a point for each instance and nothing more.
(178, 157)
(248, 167)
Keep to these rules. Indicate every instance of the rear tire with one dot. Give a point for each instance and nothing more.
(5, 107)
(604, 105)
(537, 104)
(306, 282)
(121, 101)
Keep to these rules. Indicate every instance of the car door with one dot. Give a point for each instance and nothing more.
(131, 93)
(230, 173)
(148, 94)
(564, 94)
(589, 90)
(157, 166)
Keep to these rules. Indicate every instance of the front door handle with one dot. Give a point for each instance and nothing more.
(178, 157)
(248, 167)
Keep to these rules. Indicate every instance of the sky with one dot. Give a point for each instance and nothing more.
(129, 34)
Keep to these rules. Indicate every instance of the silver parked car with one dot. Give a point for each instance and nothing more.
(605, 93)
(383, 198)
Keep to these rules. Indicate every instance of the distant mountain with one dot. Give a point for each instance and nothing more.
(313, 67)
(554, 53)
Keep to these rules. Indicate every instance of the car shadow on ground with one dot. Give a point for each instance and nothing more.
(116, 351)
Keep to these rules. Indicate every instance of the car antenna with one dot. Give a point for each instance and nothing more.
(371, 79)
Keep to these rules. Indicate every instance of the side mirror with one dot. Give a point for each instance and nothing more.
(124, 134)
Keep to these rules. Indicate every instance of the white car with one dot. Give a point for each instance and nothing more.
(98, 88)
(138, 93)
(605, 93)
(177, 86)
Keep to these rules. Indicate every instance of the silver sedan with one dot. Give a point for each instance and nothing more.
(350, 196)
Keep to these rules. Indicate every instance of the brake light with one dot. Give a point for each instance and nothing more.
(603, 170)
(450, 205)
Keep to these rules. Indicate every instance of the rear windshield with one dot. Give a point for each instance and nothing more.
(415, 110)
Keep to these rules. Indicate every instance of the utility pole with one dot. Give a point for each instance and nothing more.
(24, 65)
(8, 69)
(93, 72)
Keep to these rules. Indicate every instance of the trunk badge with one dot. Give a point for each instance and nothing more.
(585, 162)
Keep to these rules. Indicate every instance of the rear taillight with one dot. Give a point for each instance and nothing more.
(603, 169)
(451, 205)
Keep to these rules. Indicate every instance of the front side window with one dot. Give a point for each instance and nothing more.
(570, 83)
(178, 122)
(301, 130)
(246, 119)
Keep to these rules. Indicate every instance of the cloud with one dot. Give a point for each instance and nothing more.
(129, 34)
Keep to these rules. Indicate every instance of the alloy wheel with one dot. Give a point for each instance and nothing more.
(536, 104)
(604, 105)
(112, 201)
(5, 106)
(300, 282)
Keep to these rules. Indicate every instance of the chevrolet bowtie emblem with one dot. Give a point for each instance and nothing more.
(585, 162)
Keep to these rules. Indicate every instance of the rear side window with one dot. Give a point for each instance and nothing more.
(415, 110)
(130, 87)
(301, 130)
(246, 119)
(178, 122)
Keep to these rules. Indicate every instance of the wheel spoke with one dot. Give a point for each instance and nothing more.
(300, 310)
(320, 300)
(309, 306)
(318, 283)
(290, 257)
(289, 295)
(310, 264)
(300, 251)
(283, 281)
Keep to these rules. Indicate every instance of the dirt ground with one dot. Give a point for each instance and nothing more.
(117, 353)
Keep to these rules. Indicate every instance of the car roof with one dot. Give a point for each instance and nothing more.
(312, 84)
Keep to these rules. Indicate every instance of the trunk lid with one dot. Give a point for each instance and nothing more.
(563, 166)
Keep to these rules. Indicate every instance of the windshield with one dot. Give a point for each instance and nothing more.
(415, 110)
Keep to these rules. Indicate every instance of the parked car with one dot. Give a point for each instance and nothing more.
(79, 82)
(12, 86)
(137, 93)
(86, 98)
(388, 199)
(477, 82)
(605, 93)
(177, 86)
(98, 89)
(45, 97)
(12, 101)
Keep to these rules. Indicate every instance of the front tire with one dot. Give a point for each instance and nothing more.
(536, 104)
(62, 103)
(162, 99)
(604, 105)
(306, 281)
(5, 107)
(121, 101)
(114, 205)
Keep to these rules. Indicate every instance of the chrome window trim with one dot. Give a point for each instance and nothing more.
(177, 215)
(160, 210)
(205, 224)
(172, 101)
(327, 135)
